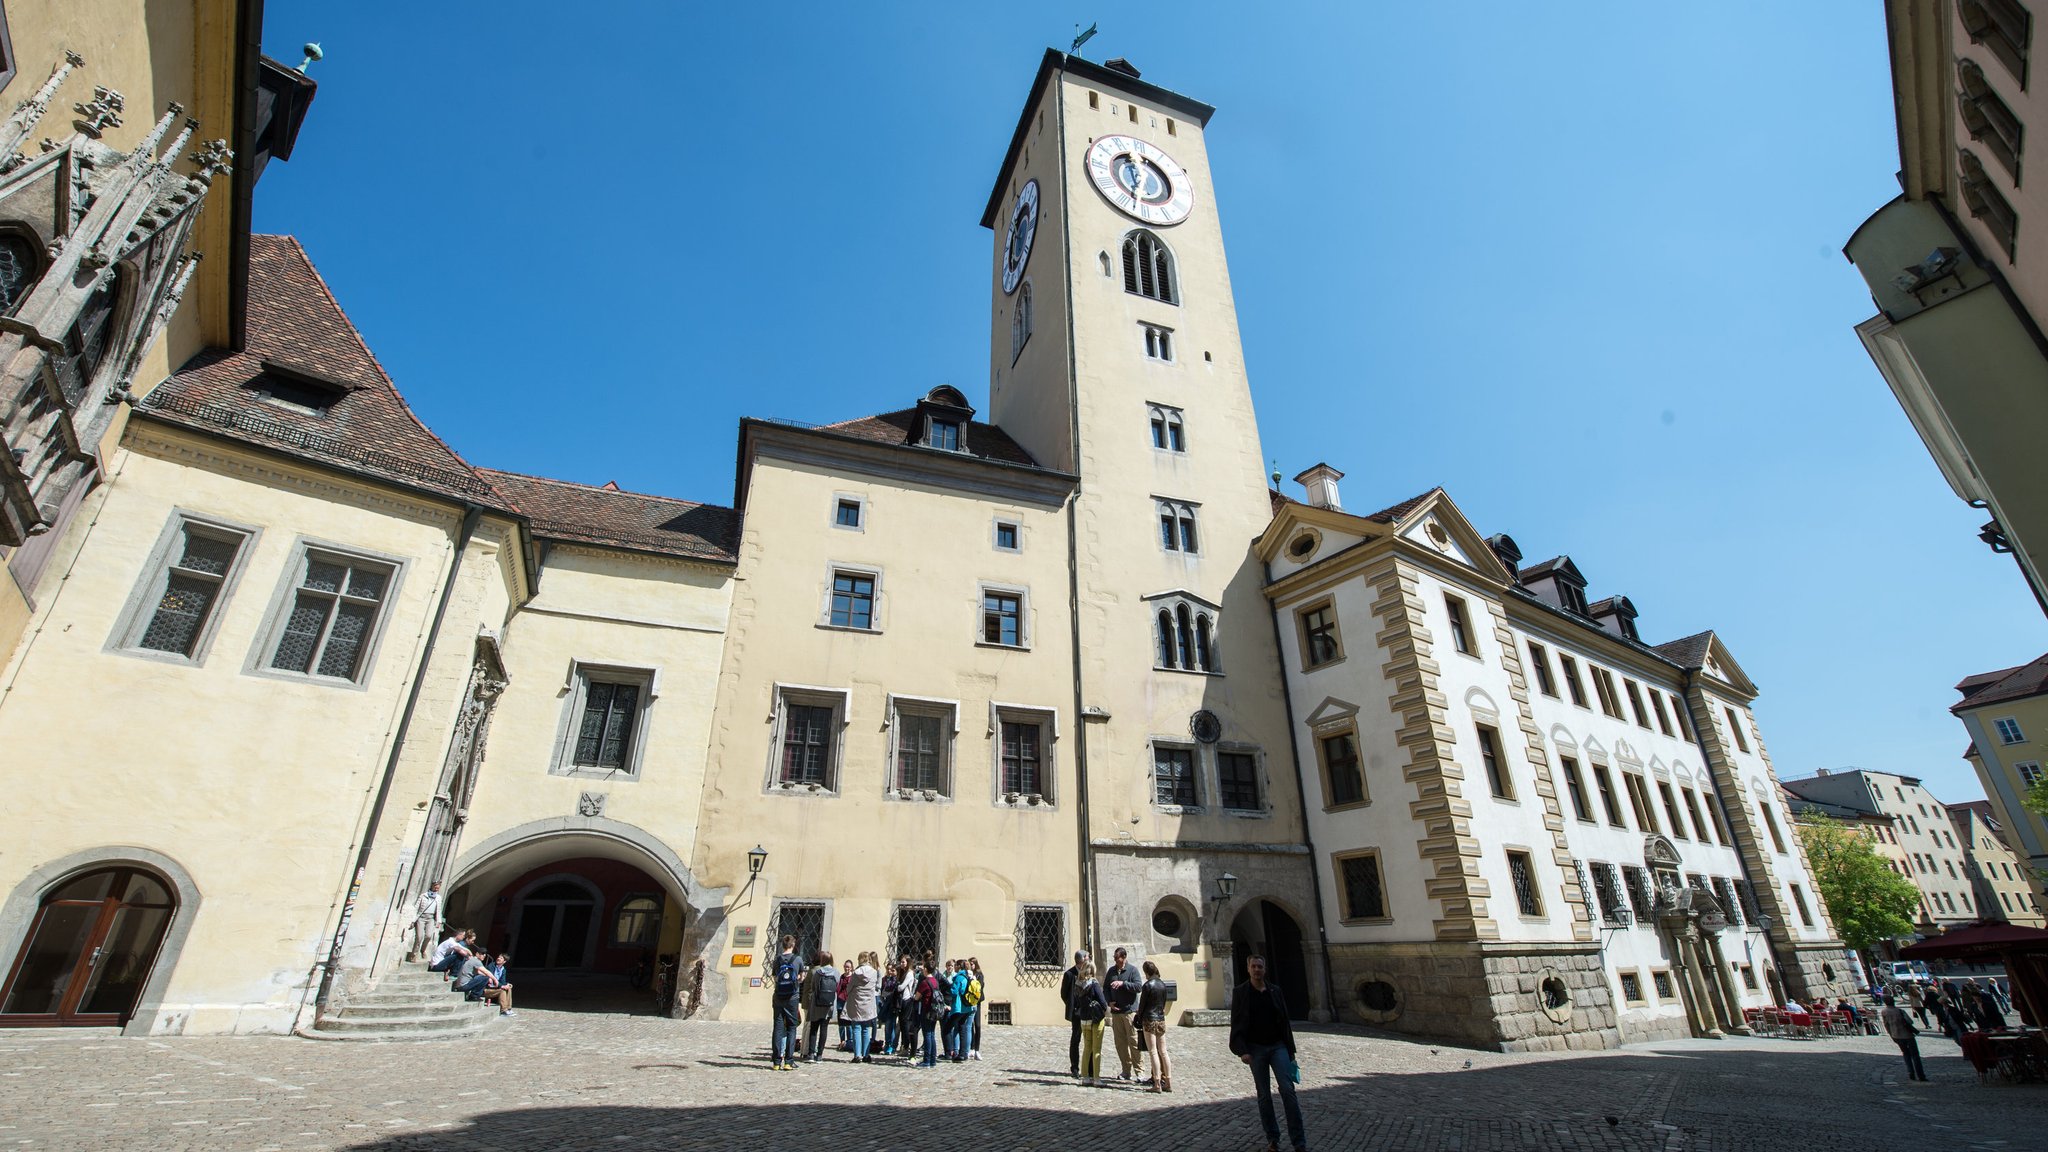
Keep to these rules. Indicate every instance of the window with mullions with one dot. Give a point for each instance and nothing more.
(853, 600)
(807, 740)
(1237, 781)
(1173, 775)
(1576, 787)
(1184, 638)
(1177, 527)
(1021, 750)
(331, 622)
(1002, 618)
(1319, 641)
(1603, 685)
(1496, 770)
(1639, 799)
(604, 735)
(174, 611)
(21, 261)
(638, 923)
(1539, 661)
(1607, 797)
(1607, 891)
(944, 435)
(923, 748)
(1169, 433)
(1158, 343)
(1148, 268)
(2009, 730)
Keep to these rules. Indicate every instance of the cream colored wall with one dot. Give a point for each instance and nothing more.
(2003, 872)
(858, 849)
(1030, 396)
(2028, 274)
(1996, 763)
(616, 609)
(254, 784)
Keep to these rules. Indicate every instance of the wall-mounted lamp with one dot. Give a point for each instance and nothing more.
(1226, 886)
(756, 860)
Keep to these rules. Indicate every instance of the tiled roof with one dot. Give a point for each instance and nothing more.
(1394, 513)
(298, 333)
(609, 517)
(984, 441)
(1688, 651)
(2011, 684)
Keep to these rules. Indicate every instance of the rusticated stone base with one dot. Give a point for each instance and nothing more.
(1819, 971)
(1510, 997)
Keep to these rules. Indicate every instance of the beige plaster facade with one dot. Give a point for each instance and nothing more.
(2005, 714)
(1998, 875)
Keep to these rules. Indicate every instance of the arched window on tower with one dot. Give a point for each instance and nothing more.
(1148, 267)
(1020, 322)
(1186, 629)
(19, 261)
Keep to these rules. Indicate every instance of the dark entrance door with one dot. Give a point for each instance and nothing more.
(554, 927)
(1265, 928)
(89, 951)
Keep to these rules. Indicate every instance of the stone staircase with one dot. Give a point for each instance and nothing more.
(409, 1004)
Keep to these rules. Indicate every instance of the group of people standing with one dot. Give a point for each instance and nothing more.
(1956, 1007)
(918, 1006)
(1133, 1003)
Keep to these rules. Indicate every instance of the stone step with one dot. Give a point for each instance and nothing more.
(442, 996)
(456, 1006)
(387, 1025)
(471, 1026)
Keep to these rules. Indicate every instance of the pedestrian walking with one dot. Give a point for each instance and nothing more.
(862, 1005)
(1068, 981)
(787, 970)
(426, 920)
(1917, 997)
(1262, 1036)
(1985, 1007)
(821, 1000)
(1088, 1007)
(1120, 984)
(1151, 1021)
(1907, 1037)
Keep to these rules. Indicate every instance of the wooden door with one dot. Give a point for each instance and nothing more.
(89, 951)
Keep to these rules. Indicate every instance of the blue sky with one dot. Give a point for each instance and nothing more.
(1587, 277)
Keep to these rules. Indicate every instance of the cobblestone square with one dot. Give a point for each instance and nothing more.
(547, 1081)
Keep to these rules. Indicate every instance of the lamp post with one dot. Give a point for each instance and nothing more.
(756, 860)
(1226, 887)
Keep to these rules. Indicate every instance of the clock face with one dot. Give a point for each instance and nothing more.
(1017, 246)
(1143, 182)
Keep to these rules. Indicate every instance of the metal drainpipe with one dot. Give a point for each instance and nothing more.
(1315, 873)
(470, 516)
(1741, 861)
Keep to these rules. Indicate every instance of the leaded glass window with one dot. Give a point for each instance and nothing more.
(807, 744)
(1021, 769)
(605, 736)
(333, 616)
(921, 752)
(192, 587)
(1237, 779)
(18, 262)
(1173, 775)
(1364, 898)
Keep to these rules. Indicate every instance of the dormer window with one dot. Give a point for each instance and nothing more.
(1573, 597)
(945, 435)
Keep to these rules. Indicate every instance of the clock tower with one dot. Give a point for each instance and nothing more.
(1114, 355)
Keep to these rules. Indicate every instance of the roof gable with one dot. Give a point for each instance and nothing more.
(1433, 521)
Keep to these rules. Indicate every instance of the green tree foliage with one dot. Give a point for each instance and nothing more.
(1866, 899)
(2037, 796)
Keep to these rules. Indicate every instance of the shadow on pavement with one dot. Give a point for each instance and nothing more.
(1799, 1100)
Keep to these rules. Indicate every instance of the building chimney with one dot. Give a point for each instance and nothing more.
(1321, 483)
(1822, 772)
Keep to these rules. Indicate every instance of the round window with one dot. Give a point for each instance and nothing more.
(1555, 994)
(1301, 546)
(1166, 922)
(1377, 996)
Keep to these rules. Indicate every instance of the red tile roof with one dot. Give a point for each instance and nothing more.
(2029, 679)
(1390, 515)
(612, 518)
(985, 441)
(298, 333)
(1689, 651)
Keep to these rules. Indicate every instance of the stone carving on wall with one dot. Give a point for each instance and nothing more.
(590, 804)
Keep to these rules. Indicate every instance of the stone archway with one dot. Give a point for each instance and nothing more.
(1265, 927)
(490, 885)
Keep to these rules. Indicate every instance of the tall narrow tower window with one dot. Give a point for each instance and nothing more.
(1020, 322)
(1177, 526)
(1168, 433)
(1158, 342)
(1186, 635)
(1148, 268)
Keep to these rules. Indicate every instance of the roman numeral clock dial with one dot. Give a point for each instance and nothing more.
(1140, 181)
(1017, 245)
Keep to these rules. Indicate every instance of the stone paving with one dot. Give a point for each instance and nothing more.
(547, 1081)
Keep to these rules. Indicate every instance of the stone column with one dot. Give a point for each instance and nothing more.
(1698, 1007)
(1731, 1017)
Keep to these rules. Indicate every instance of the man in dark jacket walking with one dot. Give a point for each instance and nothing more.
(1262, 1036)
(1907, 1037)
(1067, 982)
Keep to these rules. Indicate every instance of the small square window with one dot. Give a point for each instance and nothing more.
(1173, 775)
(1237, 781)
(1632, 988)
(849, 513)
(1009, 537)
(1362, 886)
(945, 435)
(1662, 980)
(853, 600)
(1158, 343)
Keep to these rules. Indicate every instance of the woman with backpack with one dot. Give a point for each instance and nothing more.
(958, 1015)
(862, 1002)
(976, 993)
(1090, 1006)
(1151, 1022)
(930, 1004)
(821, 998)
